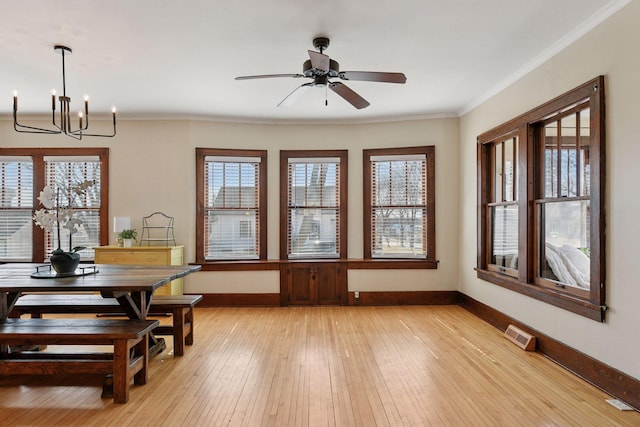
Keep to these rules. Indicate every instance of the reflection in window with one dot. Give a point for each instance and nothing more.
(564, 243)
(564, 211)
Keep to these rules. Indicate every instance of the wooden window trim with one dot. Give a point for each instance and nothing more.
(285, 155)
(201, 154)
(430, 229)
(39, 182)
(593, 306)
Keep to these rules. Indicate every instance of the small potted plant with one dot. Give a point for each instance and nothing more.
(127, 237)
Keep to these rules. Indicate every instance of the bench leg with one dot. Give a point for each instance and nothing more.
(121, 362)
(130, 359)
(188, 339)
(178, 331)
(142, 349)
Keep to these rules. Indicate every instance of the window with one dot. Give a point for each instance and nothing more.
(313, 203)
(231, 204)
(399, 203)
(541, 204)
(502, 206)
(24, 173)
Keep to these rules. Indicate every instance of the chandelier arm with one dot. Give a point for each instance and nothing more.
(65, 111)
(17, 127)
(81, 133)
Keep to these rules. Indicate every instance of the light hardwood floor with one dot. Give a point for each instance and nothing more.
(344, 366)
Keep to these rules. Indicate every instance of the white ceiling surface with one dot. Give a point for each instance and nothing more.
(178, 59)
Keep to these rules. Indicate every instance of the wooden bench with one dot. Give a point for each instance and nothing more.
(129, 360)
(179, 306)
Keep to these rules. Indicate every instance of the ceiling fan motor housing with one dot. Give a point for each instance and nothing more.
(321, 43)
(309, 71)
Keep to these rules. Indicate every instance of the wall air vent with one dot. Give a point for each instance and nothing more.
(520, 338)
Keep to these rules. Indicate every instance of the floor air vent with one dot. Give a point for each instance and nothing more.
(520, 338)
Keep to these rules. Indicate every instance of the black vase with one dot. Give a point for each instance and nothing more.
(65, 262)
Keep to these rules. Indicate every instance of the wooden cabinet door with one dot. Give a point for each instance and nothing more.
(313, 284)
(301, 284)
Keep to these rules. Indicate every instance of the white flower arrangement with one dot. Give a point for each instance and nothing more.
(53, 215)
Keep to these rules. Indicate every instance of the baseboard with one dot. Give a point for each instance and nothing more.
(608, 379)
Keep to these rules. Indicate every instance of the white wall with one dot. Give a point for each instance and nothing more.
(611, 49)
(152, 168)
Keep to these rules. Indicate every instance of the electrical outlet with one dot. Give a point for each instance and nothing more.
(357, 294)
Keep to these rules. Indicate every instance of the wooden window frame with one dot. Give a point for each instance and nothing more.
(39, 181)
(592, 305)
(285, 155)
(201, 154)
(429, 227)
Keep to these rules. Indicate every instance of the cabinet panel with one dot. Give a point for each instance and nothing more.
(145, 255)
(301, 289)
(313, 283)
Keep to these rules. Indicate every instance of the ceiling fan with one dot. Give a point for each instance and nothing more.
(321, 69)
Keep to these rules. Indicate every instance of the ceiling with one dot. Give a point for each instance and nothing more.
(161, 59)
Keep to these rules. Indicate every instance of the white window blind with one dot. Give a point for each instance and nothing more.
(313, 216)
(398, 211)
(16, 204)
(232, 214)
(63, 174)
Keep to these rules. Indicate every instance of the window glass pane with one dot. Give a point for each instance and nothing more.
(568, 156)
(550, 168)
(504, 236)
(564, 243)
(497, 175)
(398, 232)
(509, 169)
(398, 218)
(65, 177)
(585, 139)
(232, 215)
(16, 202)
(313, 233)
(232, 234)
(313, 184)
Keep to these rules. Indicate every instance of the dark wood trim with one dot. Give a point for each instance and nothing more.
(351, 264)
(550, 296)
(528, 128)
(612, 381)
(430, 203)
(240, 265)
(201, 153)
(39, 181)
(285, 155)
(392, 264)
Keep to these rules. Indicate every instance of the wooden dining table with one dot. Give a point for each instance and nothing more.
(131, 286)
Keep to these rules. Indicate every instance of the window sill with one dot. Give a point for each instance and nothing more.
(353, 264)
(565, 301)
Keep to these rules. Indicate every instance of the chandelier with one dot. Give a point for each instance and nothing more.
(64, 124)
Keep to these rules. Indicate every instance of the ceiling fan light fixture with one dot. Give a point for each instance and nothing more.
(321, 68)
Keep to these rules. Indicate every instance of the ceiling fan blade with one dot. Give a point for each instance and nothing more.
(319, 61)
(293, 96)
(268, 76)
(373, 76)
(349, 95)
